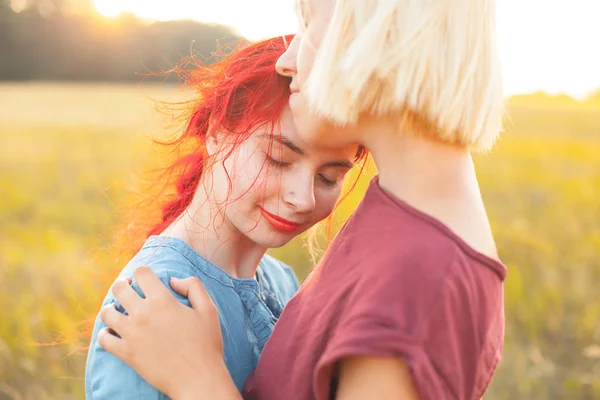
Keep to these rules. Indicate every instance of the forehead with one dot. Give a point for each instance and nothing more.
(286, 128)
(287, 125)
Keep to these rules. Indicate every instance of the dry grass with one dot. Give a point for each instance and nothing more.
(66, 153)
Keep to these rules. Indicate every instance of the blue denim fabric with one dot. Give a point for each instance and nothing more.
(247, 308)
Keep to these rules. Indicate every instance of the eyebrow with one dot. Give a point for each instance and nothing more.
(342, 163)
(289, 144)
(293, 147)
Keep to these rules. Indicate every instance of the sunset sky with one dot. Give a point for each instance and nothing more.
(550, 45)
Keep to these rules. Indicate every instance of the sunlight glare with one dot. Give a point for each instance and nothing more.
(544, 45)
(109, 8)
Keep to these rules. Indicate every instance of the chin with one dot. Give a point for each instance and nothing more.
(266, 236)
(320, 133)
(325, 140)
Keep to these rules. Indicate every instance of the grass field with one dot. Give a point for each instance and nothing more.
(67, 153)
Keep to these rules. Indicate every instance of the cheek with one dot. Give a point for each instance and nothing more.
(311, 128)
(274, 182)
(248, 175)
(305, 58)
(326, 201)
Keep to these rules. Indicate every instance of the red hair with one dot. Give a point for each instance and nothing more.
(238, 94)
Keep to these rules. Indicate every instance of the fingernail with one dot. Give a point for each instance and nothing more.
(175, 279)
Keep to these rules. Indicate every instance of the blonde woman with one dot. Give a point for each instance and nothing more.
(408, 301)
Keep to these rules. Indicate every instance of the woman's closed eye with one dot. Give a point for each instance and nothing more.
(333, 176)
(327, 181)
(277, 163)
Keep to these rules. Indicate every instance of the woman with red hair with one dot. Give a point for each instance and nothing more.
(245, 183)
(407, 303)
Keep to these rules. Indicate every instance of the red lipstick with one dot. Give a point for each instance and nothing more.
(279, 223)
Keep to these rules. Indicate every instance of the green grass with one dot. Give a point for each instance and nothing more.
(66, 158)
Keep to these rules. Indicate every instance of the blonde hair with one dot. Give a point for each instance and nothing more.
(434, 63)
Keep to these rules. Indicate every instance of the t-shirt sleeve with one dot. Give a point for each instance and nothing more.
(428, 321)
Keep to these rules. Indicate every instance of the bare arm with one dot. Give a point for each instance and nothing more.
(375, 378)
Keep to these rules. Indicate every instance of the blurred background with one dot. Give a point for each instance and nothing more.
(77, 109)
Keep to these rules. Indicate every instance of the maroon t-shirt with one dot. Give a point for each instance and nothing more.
(394, 283)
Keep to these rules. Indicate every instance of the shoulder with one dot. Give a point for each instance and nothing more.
(426, 264)
(167, 258)
(439, 315)
(408, 270)
(163, 254)
(425, 289)
(279, 276)
(448, 315)
(462, 337)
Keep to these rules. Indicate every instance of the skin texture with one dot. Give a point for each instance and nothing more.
(272, 171)
(435, 177)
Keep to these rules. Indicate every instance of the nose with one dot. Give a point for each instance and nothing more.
(286, 64)
(301, 195)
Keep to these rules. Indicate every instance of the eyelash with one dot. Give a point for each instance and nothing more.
(327, 182)
(275, 163)
(281, 164)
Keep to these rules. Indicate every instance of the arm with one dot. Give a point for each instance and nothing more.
(449, 334)
(176, 348)
(375, 378)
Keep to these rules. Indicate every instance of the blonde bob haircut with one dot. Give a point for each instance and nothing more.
(433, 63)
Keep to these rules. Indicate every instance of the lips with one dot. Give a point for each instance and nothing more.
(281, 224)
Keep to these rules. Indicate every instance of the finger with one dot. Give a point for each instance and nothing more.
(150, 284)
(114, 319)
(113, 344)
(126, 296)
(193, 289)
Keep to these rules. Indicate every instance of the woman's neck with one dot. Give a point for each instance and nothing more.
(436, 178)
(417, 169)
(203, 227)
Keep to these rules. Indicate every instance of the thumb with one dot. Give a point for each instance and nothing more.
(191, 288)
